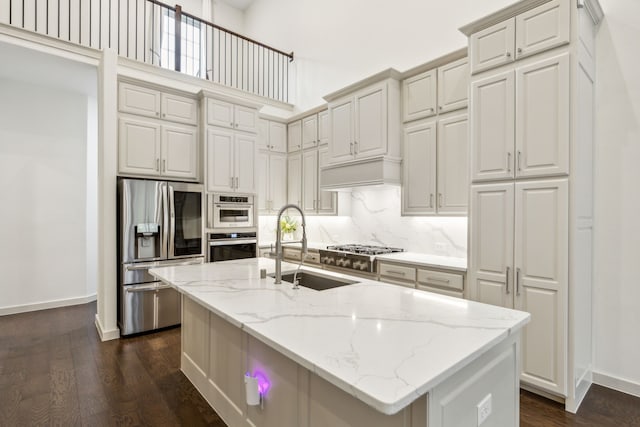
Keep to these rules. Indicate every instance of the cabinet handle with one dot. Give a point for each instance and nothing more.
(508, 161)
(518, 281)
(231, 181)
(158, 165)
(435, 279)
(431, 200)
(236, 182)
(507, 277)
(164, 165)
(355, 147)
(439, 200)
(519, 155)
(351, 148)
(314, 205)
(399, 273)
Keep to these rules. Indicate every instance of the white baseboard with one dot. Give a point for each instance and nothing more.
(25, 308)
(106, 335)
(616, 383)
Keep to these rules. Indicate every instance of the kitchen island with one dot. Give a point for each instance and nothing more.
(368, 354)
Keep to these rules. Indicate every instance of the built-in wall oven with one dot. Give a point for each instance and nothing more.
(229, 246)
(230, 211)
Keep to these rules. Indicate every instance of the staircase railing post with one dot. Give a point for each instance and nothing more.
(178, 37)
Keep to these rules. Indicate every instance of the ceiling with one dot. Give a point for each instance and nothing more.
(239, 4)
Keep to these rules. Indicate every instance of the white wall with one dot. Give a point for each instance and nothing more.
(617, 196)
(339, 42)
(375, 220)
(228, 17)
(43, 226)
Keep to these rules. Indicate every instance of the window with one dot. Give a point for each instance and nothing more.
(190, 43)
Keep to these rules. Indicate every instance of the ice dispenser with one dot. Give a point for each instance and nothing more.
(148, 240)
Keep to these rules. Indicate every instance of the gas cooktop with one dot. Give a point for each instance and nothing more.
(364, 249)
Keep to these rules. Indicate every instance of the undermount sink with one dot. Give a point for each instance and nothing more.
(316, 281)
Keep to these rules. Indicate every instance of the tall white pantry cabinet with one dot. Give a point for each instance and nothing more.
(531, 206)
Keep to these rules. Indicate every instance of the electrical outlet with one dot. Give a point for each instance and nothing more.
(484, 409)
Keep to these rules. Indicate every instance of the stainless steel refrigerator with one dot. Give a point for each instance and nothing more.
(160, 223)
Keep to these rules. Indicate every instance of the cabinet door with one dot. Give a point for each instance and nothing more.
(492, 127)
(263, 135)
(245, 119)
(327, 200)
(219, 160)
(262, 171)
(179, 109)
(180, 152)
(294, 136)
(323, 127)
(310, 131)
(492, 46)
(294, 179)
(220, 113)
(277, 181)
(341, 116)
(309, 180)
(138, 100)
(138, 147)
(453, 165)
(542, 118)
(542, 28)
(419, 169)
(371, 122)
(278, 137)
(453, 85)
(244, 163)
(491, 242)
(541, 286)
(419, 96)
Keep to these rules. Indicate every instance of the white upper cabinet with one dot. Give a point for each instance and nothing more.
(149, 102)
(147, 147)
(272, 136)
(419, 96)
(453, 85)
(294, 136)
(294, 179)
(231, 161)
(310, 132)
(371, 122)
(542, 28)
(323, 127)
(453, 165)
(228, 115)
(341, 115)
(419, 169)
(309, 181)
(530, 32)
(327, 202)
(535, 140)
(493, 121)
(542, 118)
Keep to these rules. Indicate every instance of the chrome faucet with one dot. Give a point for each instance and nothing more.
(279, 255)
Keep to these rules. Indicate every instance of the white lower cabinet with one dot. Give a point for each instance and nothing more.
(314, 200)
(519, 259)
(412, 276)
(148, 147)
(272, 182)
(231, 159)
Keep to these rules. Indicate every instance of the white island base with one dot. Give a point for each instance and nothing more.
(216, 355)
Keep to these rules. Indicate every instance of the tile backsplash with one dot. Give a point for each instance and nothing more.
(375, 219)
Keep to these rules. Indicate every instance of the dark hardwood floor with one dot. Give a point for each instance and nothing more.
(54, 370)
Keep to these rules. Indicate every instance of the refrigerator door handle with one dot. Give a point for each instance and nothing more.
(165, 219)
(172, 222)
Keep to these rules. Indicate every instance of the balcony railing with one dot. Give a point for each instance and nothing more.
(155, 33)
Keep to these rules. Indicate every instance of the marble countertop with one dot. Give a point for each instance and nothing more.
(386, 345)
(310, 245)
(426, 260)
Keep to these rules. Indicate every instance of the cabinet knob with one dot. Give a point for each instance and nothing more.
(164, 114)
(231, 124)
(440, 107)
(157, 113)
(519, 50)
(236, 125)
(508, 54)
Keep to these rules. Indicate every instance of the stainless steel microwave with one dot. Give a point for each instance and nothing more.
(230, 211)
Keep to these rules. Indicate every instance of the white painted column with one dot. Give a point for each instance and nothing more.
(106, 316)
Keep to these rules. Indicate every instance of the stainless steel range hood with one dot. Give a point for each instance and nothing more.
(379, 170)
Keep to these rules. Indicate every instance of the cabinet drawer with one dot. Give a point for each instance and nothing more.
(312, 257)
(290, 253)
(440, 291)
(441, 279)
(397, 272)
